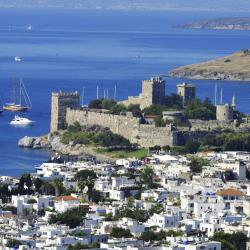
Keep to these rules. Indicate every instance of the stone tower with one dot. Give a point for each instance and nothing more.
(59, 104)
(224, 113)
(187, 92)
(154, 90)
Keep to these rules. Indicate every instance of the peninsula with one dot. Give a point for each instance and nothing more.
(235, 67)
(240, 23)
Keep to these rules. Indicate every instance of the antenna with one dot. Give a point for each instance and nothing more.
(97, 92)
(221, 96)
(215, 94)
(115, 93)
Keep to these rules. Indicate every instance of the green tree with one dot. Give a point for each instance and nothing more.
(95, 104)
(108, 103)
(140, 215)
(135, 109)
(58, 186)
(192, 147)
(25, 180)
(38, 184)
(196, 164)
(159, 122)
(155, 109)
(76, 127)
(200, 110)
(72, 217)
(13, 243)
(156, 209)
(86, 178)
(235, 241)
(117, 109)
(47, 188)
(146, 176)
(118, 232)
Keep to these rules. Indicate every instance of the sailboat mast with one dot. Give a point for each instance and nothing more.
(83, 92)
(115, 93)
(14, 91)
(25, 95)
(20, 97)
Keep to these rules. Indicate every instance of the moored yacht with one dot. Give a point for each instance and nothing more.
(21, 121)
(20, 94)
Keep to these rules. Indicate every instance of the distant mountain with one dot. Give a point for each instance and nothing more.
(221, 23)
(211, 5)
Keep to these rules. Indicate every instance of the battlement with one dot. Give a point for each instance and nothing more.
(66, 94)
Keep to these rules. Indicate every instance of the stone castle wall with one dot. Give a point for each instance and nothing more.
(209, 125)
(129, 127)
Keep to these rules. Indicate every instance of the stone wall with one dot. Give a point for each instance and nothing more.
(149, 135)
(209, 125)
(127, 126)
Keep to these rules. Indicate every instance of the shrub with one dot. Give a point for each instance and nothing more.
(200, 110)
(13, 243)
(72, 217)
(118, 232)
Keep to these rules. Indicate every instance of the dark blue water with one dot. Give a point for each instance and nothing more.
(67, 50)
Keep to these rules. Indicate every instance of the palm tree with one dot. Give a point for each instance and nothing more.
(58, 186)
(81, 184)
(88, 182)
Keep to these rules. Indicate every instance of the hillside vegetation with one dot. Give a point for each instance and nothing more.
(232, 67)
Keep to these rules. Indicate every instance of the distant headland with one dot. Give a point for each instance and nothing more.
(235, 67)
(238, 23)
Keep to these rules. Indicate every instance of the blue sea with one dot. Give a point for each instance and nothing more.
(70, 50)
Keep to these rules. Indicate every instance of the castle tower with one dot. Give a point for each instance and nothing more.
(59, 104)
(153, 91)
(224, 113)
(186, 91)
(234, 103)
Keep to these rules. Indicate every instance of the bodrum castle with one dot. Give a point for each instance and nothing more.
(178, 125)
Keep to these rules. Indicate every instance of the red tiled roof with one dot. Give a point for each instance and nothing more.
(65, 198)
(230, 192)
(8, 216)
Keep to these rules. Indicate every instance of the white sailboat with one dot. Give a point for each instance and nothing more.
(22, 96)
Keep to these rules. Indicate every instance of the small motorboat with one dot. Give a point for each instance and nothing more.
(21, 121)
(18, 59)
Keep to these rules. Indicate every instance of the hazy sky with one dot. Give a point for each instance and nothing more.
(217, 5)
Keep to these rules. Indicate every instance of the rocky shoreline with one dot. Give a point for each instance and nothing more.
(53, 144)
(208, 75)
